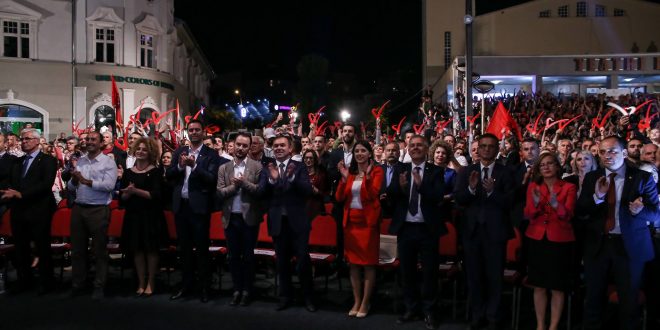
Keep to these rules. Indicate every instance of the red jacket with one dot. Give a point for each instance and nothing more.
(369, 195)
(544, 219)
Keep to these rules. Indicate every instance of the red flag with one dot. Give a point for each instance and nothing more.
(502, 120)
(116, 103)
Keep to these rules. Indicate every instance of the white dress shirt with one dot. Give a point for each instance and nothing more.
(356, 201)
(239, 170)
(102, 170)
(188, 169)
(417, 217)
(619, 180)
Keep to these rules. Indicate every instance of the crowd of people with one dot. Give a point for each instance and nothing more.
(584, 195)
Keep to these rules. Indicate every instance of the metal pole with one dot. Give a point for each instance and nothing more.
(73, 60)
(483, 111)
(468, 60)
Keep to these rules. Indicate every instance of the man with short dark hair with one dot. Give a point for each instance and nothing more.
(485, 190)
(320, 147)
(93, 179)
(618, 201)
(238, 189)
(390, 165)
(634, 148)
(194, 174)
(286, 186)
(30, 197)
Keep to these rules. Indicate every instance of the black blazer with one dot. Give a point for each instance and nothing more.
(201, 183)
(37, 202)
(6, 164)
(291, 196)
(634, 231)
(520, 194)
(431, 195)
(492, 210)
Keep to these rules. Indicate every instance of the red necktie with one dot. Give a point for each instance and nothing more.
(611, 204)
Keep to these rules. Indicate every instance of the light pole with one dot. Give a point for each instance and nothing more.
(483, 86)
(240, 97)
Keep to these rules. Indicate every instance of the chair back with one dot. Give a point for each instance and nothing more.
(263, 233)
(171, 224)
(5, 224)
(385, 226)
(116, 222)
(61, 224)
(513, 247)
(324, 231)
(448, 246)
(216, 230)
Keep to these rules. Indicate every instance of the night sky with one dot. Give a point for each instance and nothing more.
(258, 40)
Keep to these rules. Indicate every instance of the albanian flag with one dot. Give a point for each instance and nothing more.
(116, 103)
(502, 119)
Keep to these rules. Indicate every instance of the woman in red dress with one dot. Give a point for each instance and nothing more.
(549, 207)
(359, 189)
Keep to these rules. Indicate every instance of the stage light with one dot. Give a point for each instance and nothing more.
(345, 115)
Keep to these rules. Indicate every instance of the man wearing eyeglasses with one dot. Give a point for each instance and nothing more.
(194, 174)
(485, 189)
(619, 200)
(32, 205)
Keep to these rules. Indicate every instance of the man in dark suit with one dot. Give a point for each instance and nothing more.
(417, 191)
(344, 153)
(618, 201)
(32, 205)
(194, 174)
(6, 162)
(285, 185)
(485, 191)
(391, 165)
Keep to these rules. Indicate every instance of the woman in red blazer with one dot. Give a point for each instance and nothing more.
(359, 189)
(549, 208)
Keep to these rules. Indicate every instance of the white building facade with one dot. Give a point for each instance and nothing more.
(559, 46)
(57, 57)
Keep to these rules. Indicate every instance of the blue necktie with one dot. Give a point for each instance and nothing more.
(26, 164)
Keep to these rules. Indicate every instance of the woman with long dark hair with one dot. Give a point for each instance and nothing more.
(320, 189)
(359, 189)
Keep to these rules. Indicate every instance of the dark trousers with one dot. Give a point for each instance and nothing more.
(484, 265)
(192, 230)
(89, 222)
(241, 241)
(653, 286)
(415, 239)
(627, 275)
(338, 215)
(290, 243)
(24, 231)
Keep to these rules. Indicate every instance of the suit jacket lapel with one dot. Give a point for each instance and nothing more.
(34, 163)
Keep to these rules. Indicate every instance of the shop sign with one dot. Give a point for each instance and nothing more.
(597, 64)
(134, 80)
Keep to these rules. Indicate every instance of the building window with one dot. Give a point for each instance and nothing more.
(14, 118)
(601, 11)
(562, 11)
(581, 9)
(545, 13)
(619, 12)
(447, 49)
(105, 45)
(146, 50)
(104, 116)
(16, 39)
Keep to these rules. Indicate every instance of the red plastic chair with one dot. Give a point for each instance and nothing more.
(328, 208)
(62, 204)
(60, 231)
(217, 234)
(323, 245)
(5, 232)
(512, 276)
(448, 249)
(114, 204)
(613, 298)
(169, 252)
(385, 226)
(114, 235)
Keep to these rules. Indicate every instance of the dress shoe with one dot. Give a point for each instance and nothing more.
(204, 296)
(363, 314)
(283, 304)
(430, 322)
(352, 312)
(245, 299)
(236, 299)
(180, 294)
(98, 294)
(406, 317)
(309, 306)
